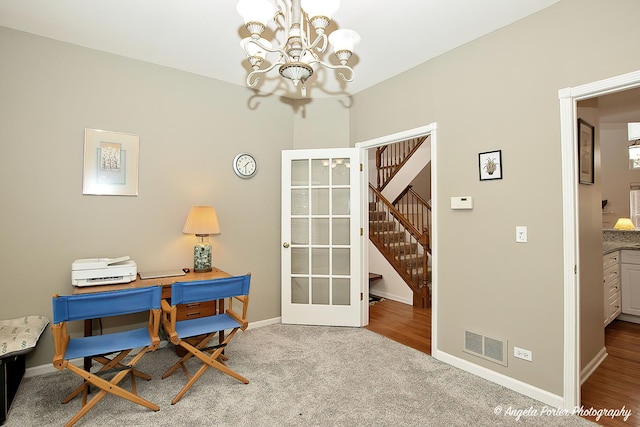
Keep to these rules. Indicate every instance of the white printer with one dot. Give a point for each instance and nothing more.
(103, 271)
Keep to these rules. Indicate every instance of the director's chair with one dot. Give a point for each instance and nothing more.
(231, 288)
(102, 347)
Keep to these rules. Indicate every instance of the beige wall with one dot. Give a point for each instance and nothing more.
(590, 239)
(501, 92)
(190, 129)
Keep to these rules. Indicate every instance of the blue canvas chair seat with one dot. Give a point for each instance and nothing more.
(205, 328)
(105, 344)
(107, 349)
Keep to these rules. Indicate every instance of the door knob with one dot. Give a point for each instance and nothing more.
(285, 245)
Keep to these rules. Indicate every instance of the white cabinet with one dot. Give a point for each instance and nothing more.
(611, 281)
(630, 274)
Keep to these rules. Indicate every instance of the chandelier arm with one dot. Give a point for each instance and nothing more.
(321, 37)
(256, 74)
(269, 49)
(338, 68)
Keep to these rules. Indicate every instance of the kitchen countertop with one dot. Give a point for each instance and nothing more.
(612, 246)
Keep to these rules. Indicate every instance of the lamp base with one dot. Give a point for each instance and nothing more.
(202, 257)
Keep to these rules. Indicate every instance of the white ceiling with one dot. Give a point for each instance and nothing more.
(203, 36)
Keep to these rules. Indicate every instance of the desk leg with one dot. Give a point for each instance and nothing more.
(88, 331)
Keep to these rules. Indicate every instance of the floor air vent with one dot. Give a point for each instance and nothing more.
(485, 347)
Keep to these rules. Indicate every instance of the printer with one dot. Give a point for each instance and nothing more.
(103, 271)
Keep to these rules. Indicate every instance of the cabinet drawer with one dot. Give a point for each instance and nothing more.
(610, 260)
(612, 288)
(630, 257)
(611, 275)
(195, 310)
(615, 308)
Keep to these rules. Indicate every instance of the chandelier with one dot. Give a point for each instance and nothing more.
(300, 27)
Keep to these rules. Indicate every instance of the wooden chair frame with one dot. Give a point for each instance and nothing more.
(68, 308)
(228, 288)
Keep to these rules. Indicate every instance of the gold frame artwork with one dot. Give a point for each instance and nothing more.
(110, 163)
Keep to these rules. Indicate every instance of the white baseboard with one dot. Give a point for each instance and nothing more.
(503, 380)
(629, 318)
(593, 365)
(391, 297)
(48, 368)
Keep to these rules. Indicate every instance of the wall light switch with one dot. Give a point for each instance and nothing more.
(462, 202)
(521, 233)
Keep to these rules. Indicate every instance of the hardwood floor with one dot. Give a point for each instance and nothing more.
(403, 323)
(616, 382)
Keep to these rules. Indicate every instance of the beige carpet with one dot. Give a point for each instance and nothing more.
(299, 376)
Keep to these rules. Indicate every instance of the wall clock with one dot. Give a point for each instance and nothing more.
(245, 165)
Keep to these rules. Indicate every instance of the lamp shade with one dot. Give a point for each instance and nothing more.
(324, 8)
(202, 220)
(344, 40)
(624, 224)
(633, 130)
(256, 11)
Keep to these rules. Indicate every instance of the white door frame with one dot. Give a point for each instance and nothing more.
(430, 129)
(569, 98)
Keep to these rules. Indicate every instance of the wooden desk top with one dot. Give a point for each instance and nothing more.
(165, 282)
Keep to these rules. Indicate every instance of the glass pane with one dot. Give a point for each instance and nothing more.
(300, 290)
(340, 201)
(320, 201)
(320, 261)
(340, 231)
(319, 291)
(340, 171)
(299, 261)
(341, 261)
(300, 202)
(340, 292)
(320, 231)
(300, 231)
(299, 172)
(320, 172)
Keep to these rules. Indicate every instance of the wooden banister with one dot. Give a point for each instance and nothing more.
(402, 244)
(390, 158)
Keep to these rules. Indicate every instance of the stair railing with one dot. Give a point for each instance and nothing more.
(390, 158)
(415, 209)
(401, 244)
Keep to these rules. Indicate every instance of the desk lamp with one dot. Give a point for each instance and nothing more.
(202, 221)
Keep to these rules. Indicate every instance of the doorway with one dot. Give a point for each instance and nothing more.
(429, 130)
(569, 98)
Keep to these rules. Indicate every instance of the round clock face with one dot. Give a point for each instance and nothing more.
(244, 165)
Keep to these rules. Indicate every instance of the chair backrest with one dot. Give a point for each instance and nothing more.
(212, 289)
(105, 304)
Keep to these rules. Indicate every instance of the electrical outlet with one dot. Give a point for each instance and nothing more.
(521, 233)
(521, 353)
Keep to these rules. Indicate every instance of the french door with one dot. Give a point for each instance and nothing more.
(322, 279)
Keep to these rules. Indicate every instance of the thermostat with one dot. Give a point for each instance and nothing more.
(462, 202)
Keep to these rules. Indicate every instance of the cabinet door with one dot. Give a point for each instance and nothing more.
(630, 289)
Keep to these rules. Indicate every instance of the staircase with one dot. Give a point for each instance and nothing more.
(405, 247)
(400, 229)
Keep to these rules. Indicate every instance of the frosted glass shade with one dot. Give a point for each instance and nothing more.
(344, 40)
(624, 224)
(324, 8)
(256, 10)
